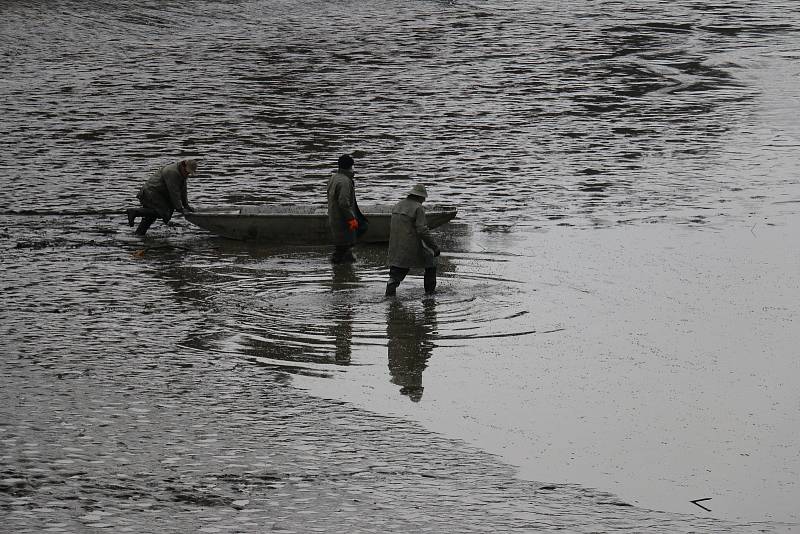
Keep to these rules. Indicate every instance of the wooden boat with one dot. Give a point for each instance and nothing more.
(299, 224)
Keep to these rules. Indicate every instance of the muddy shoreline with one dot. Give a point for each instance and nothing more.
(114, 418)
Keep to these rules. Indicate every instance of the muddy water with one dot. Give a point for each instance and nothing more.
(535, 118)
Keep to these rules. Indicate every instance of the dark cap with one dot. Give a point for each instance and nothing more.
(346, 161)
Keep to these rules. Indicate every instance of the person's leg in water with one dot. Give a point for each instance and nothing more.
(347, 256)
(343, 254)
(430, 280)
(145, 223)
(132, 213)
(396, 275)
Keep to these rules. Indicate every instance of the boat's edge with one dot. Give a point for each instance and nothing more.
(230, 224)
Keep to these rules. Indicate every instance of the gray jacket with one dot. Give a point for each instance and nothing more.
(165, 192)
(341, 206)
(410, 241)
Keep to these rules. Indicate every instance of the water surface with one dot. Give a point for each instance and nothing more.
(562, 130)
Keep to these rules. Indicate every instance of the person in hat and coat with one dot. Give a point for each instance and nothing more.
(410, 242)
(162, 194)
(346, 221)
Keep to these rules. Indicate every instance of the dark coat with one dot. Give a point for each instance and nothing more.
(165, 192)
(342, 206)
(410, 241)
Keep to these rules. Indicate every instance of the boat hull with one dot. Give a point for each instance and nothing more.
(296, 224)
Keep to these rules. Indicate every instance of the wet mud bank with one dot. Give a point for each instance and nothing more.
(114, 416)
(652, 361)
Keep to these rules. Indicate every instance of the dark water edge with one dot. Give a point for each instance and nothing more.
(112, 417)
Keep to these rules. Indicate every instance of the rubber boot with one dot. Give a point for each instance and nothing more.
(430, 280)
(132, 213)
(391, 289)
(396, 275)
(144, 224)
(343, 254)
(348, 256)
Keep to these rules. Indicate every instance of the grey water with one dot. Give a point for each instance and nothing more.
(533, 117)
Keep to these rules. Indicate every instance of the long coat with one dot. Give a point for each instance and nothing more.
(165, 192)
(342, 206)
(410, 241)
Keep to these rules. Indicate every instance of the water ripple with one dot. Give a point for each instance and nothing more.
(455, 94)
(299, 311)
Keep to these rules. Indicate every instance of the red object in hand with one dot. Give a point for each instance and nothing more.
(352, 225)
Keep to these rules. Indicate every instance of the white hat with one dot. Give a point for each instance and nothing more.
(419, 190)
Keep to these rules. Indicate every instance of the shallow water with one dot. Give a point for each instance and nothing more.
(534, 118)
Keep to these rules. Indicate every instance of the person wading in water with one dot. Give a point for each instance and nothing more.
(162, 194)
(410, 242)
(346, 220)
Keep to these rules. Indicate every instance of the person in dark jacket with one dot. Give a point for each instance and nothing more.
(410, 242)
(346, 221)
(163, 194)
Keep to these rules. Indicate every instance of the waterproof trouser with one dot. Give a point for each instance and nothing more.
(343, 254)
(148, 217)
(397, 274)
(145, 223)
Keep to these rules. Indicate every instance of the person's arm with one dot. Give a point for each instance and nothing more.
(344, 199)
(185, 196)
(421, 225)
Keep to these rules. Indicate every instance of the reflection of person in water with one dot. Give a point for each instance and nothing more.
(342, 330)
(410, 336)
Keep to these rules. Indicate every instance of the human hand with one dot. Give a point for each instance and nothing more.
(352, 224)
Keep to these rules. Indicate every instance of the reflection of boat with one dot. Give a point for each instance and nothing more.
(294, 223)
